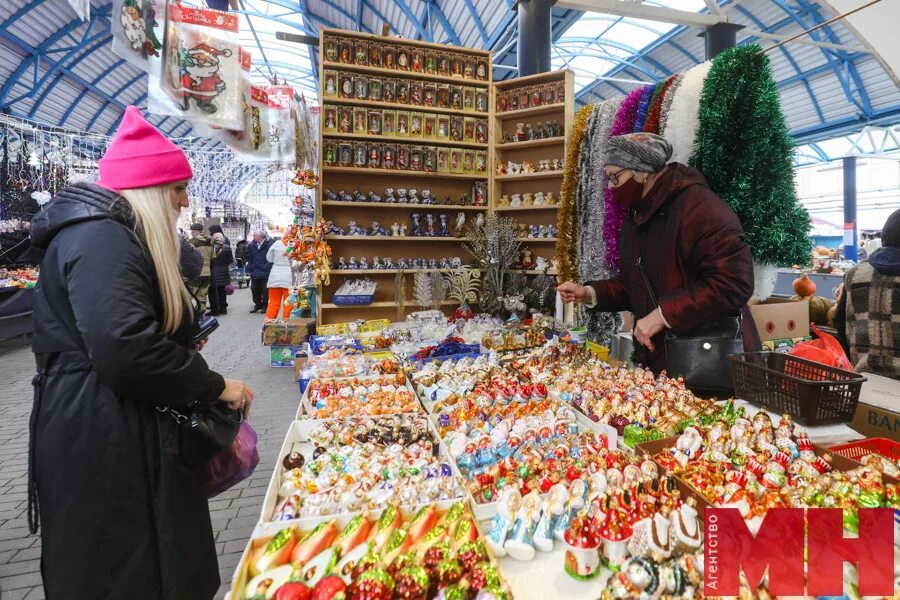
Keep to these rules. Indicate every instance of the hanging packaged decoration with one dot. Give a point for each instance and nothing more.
(201, 66)
(281, 125)
(254, 144)
(137, 28)
(82, 8)
(242, 139)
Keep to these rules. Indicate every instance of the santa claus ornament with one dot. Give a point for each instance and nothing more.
(137, 28)
(202, 66)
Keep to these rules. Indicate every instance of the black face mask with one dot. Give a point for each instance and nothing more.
(629, 194)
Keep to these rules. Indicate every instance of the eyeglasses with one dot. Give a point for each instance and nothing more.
(613, 178)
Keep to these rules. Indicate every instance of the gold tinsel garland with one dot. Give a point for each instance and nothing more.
(565, 243)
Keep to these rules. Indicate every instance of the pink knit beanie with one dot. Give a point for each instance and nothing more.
(140, 156)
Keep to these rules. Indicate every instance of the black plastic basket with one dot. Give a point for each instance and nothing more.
(812, 393)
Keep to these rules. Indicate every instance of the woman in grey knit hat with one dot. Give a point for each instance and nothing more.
(689, 242)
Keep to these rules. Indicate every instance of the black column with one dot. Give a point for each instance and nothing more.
(851, 248)
(720, 36)
(534, 36)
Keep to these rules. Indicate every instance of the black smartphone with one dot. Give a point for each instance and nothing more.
(205, 327)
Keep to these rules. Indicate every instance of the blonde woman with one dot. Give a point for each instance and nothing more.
(122, 515)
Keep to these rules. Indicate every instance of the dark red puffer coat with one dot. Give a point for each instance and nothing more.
(694, 254)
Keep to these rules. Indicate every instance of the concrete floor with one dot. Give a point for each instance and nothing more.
(235, 352)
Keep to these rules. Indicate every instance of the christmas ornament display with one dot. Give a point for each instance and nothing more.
(343, 478)
(21, 278)
(390, 554)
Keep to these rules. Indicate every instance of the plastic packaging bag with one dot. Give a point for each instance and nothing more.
(234, 465)
(255, 145)
(281, 125)
(137, 28)
(201, 68)
(826, 350)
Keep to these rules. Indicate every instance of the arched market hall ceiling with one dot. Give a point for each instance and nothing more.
(59, 70)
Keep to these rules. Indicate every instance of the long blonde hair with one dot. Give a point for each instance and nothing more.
(155, 224)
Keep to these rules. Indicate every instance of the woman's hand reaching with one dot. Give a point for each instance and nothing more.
(237, 395)
(572, 292)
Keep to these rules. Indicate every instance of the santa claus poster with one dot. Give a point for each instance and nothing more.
(201, 68)
(138, 30)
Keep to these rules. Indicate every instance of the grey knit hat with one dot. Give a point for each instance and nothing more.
(645, 152)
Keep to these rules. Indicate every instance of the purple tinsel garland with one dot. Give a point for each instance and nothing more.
(615, 214)
(644, 108)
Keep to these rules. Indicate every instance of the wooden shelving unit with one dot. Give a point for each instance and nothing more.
(446, 188)
(504, 123)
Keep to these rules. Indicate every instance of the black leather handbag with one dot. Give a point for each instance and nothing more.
(204, 433)
(702, 356)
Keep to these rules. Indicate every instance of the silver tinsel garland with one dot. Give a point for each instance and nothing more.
(590, 195)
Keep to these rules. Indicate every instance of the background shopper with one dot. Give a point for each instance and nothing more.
(867, 313)
(199, 286)
(280, 281)
(220, 271)
(258, 267)
(122, 515)
(240, 261)
(690, 242)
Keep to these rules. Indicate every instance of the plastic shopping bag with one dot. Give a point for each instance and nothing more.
(826, 350)
(234, 465)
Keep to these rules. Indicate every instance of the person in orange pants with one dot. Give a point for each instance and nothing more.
(277, 298)
(280, 279)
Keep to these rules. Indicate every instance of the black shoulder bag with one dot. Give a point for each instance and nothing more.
(701, 357)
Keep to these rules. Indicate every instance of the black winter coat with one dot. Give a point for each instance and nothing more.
(220, 265)
(257, 265)
(121, 515)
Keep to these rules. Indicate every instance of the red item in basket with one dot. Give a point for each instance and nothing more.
(826, 350)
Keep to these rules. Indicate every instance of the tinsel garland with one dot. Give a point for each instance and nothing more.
(591, 196)
(680, 126)
(667, 101)
(644, 107)
(581, 195)
(743, 148)
(651, 125)
(615, 214)
(565, 242)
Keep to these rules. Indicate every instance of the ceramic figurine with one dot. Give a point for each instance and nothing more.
(464, 200)
(539, 199)
(352, 263)
(432, 263)
(504, 201)
(521, 136)
(395, 229)
(531, 133)
(373, 197)
(651, 536)
(401, 263)
(543, 231)
(479, 220)
(460, 223)
(401, 196)
(443, 230)
(389, 195)
(426, 197)
(330, 196)
(552, 230)
(526, 259)
(557, 164)
(520, 545)
(500, 169)
(541, 263)
(429, 225)
(455, 262)
(403, 230)
(363, 264)
(531, 231)
(513, 168)
(377, 229)
(582, 560)
(549, 199)
(388, 263)
(444, 264)
(527, 199)
(527, 167)
(344, 196)
(415, 229)
(686, 528)
(376, 263)
(352, 229)
(507, 506)
(413, 199)
(516, 200)
(358, 196)
(341, 264)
